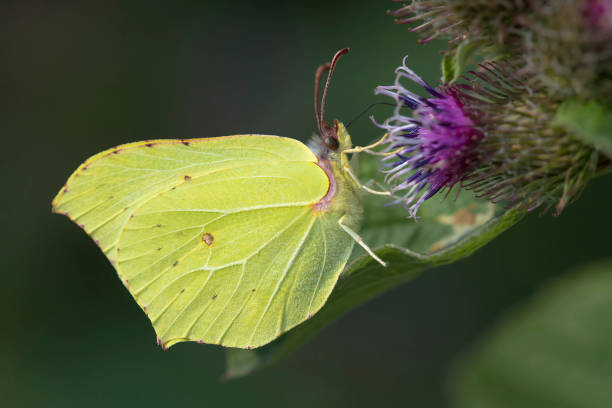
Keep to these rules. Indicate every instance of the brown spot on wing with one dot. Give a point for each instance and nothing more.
(207, 238)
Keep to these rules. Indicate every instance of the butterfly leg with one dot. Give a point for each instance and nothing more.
(348, 171)
(358, 239)
(368, 149)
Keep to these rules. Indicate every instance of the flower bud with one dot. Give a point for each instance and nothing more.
(568, 48)
(493, 22)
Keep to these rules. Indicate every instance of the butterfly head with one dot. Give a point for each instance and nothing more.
(334, 140)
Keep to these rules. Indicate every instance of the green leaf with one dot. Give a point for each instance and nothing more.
(454, 64)
(553, 351)
(590, 121)
(447, 231)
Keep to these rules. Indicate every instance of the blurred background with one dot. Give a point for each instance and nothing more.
(78, 78)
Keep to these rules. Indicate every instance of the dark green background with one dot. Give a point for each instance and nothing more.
(77, 79)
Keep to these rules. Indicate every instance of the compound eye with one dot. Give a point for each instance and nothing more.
(332, 143)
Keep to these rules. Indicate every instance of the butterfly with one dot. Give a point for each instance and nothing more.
(228, 240)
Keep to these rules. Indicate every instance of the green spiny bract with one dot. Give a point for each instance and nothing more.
(527, 161)
(494, 22)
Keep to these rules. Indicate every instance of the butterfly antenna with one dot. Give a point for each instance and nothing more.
(320, 71)
(367, 109)
(329, 76)
(320, 113)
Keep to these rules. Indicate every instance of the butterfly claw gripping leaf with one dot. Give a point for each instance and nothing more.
(231, 240)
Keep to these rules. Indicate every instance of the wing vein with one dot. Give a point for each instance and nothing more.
(280, 281)
(227, 302)
(210, 274)
(146, 268)
(324, 239)
(171, 232)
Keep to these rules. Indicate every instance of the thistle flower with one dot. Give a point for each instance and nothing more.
(491, 21)
(492, 134)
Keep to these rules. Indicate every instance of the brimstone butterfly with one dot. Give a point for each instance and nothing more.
(229, 240)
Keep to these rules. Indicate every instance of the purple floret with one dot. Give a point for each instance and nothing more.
(433, 149)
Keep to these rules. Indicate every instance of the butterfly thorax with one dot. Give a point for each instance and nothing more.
(342, 194)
